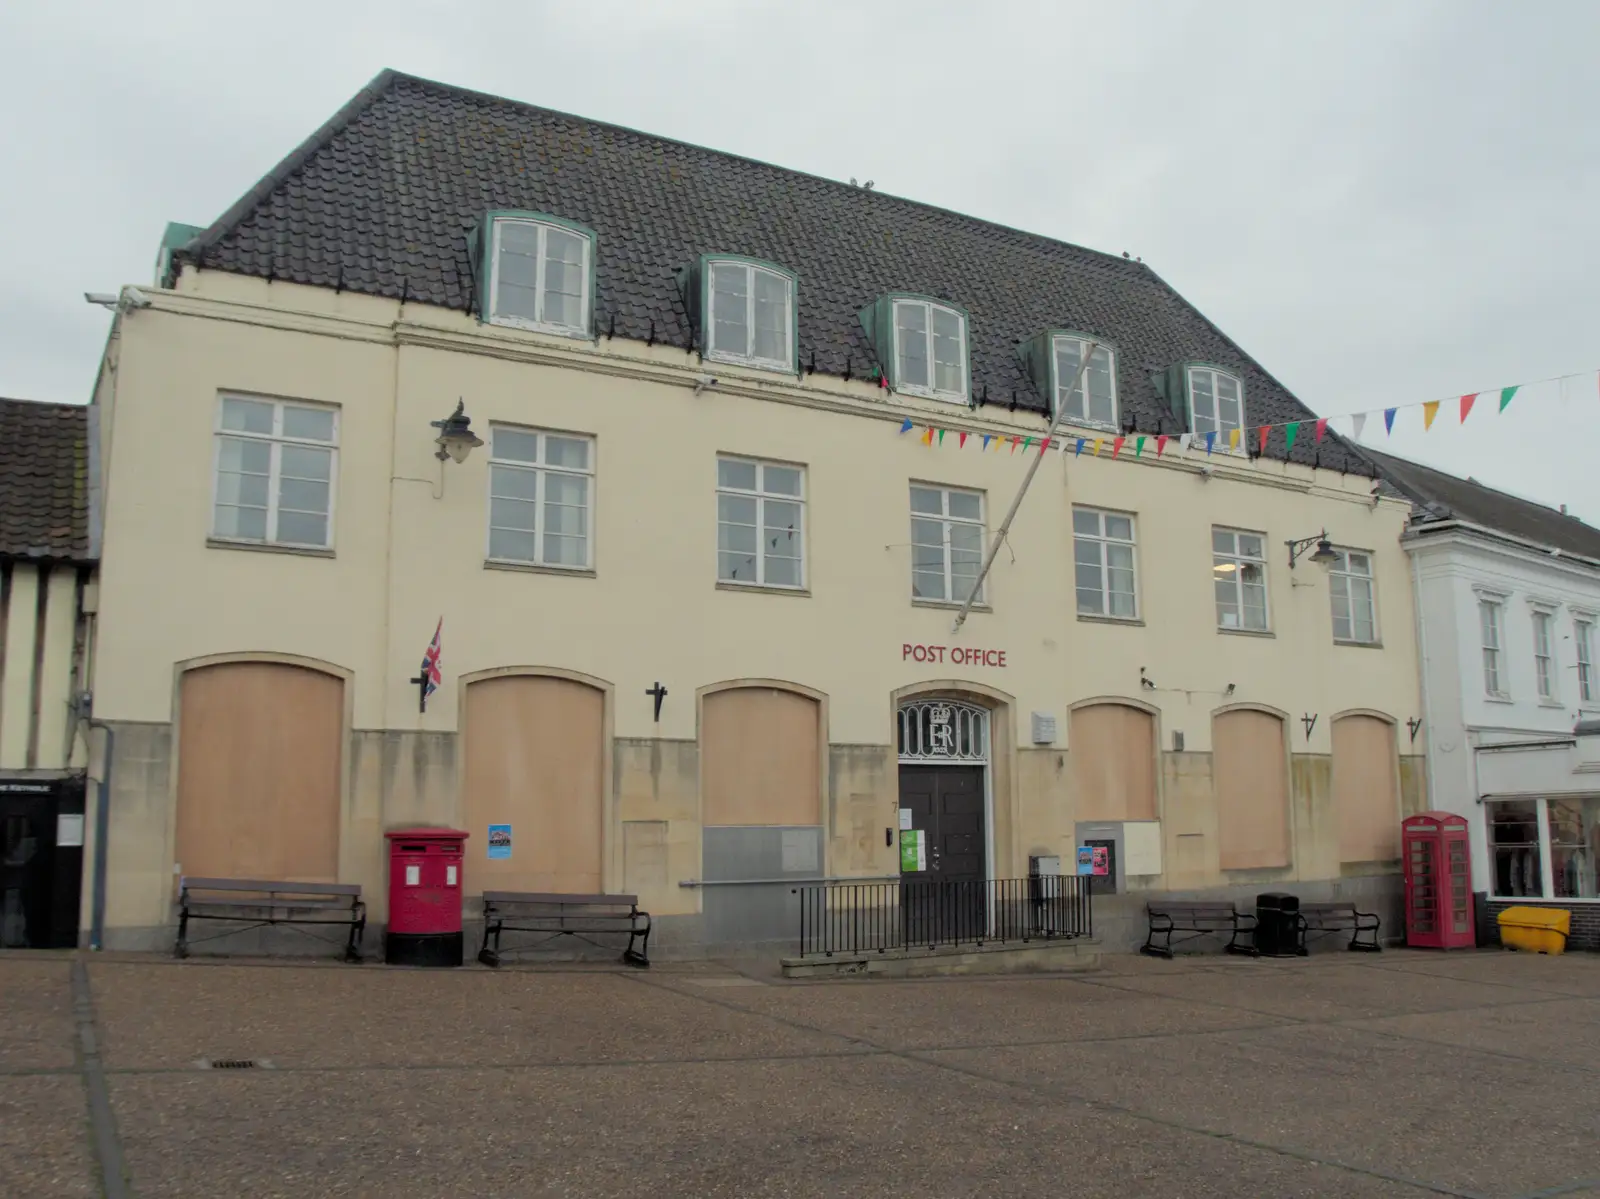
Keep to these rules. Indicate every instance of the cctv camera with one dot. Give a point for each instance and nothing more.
(132, 297)
(704, 381)
(102, 298)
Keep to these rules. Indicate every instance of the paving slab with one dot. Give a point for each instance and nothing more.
(859, 1127)
(1471, 1121)
(1563, 1031)
(167, 1016)
(925, 1014)
(1312, 989)
(44, 1137)
(1563, 974)
(36, 1029)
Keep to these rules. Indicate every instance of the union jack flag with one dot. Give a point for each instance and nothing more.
(430, 664)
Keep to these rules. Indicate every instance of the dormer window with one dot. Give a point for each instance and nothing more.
(749, 314)
(1216, 401)
(540, 274)
(1093, 403)
(930, 350)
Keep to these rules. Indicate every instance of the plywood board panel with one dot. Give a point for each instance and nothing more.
(1366, 789)
(760, 755)
(260, 751)
(1112, 749)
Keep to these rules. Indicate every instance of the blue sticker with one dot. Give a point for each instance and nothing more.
(499, 841)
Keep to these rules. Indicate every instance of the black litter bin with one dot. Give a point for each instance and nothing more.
(1277, 932)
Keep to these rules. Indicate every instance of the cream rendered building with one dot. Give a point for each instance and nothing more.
(689, 628)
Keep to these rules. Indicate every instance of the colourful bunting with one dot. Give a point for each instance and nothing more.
(1043, 446)
(1322, 428)
(962, 444)
(986, 440)
(1388, 419)
(1505, 396)
(1233, 439)
(1013, 444)
(1138, 447)
(1264, 431)
(1429, 411)
(1183, 442)
(906, 427)
(1079, 452)
(1161, 444)
(1290, 432)
(1116, 446)
(927, 437)
(1027, 442)
(941, 436)
(1357, 423)
(1098, 442)
(1211, 441)
(1466, 405)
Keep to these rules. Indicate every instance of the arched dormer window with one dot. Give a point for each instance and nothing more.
(535, 271)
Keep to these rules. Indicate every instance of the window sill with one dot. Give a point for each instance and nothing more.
(723, 358)
(948, 605)
(1245, 632)
(763, 589)
(1359, 644)
(1133, 621)
(503, 322)
(1551, 703)
(1498, 699)
(533, 568)
(267, 547)
(925, 393)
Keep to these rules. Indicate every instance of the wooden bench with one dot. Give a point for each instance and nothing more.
(1342, 917)
(1198, 920)
(558, 915)
(259, 902)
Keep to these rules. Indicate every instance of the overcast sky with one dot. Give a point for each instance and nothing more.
(1382, 202)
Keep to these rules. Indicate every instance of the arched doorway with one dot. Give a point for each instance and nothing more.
(944, 790)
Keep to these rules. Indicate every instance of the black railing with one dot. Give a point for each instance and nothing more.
(878, 917)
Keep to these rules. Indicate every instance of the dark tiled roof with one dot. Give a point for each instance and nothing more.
(379, 200)
(1436, 496)
(44, 480)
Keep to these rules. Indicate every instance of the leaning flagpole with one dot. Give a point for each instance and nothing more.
(1033, 467)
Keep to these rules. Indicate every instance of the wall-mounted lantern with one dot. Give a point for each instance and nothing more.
(1323, 555)
(456, 439)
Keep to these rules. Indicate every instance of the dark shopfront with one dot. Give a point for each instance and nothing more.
(41, 861)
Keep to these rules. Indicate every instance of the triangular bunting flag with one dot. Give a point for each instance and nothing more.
(1184, 440)
(987, 438)
(1505, 396)
(1116, 446)
(941, 436)
(1211, 441)
(1161, 444)
(1388, 419)
(1079, 451)
(1098, 442)
(1357, 423)
(962, 443)
(1264, 432)
(1467, 401)
(1044, 445)
(1027, 442)
(1429, 411)
(1013, 444)
(906, 427)
(927, 436)
(1233, 439)
(1322, 428)
(1138, 447)
(1290, 432)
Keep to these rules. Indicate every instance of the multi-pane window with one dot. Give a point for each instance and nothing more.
(1216, 401)
(1583, 641)
(930, 350)
(1355, 613)
(1094, 401)
(760, 523)
(1103, 570)
(946, 543)
(275, 472)
(751, 314)
(1489, 624)
(1574, 846)
(541, 491)
(1239, 577)
(540, 276)
(1515, 848)
(1544, 667)
(1526, 834)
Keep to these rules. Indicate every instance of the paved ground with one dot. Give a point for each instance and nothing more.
(1406, 1074)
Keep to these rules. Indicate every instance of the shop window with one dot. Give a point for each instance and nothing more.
(1575, 847)
(1514, 845)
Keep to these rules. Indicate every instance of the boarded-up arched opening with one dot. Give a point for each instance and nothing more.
(1366, 789)
(1112, 748)
(534, 761)
(260, 750)
(1250, 767)
(761, 806)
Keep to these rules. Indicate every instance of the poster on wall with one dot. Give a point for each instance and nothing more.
(1102, 861)
(913, 851)
(499, 842)
(1085, 859)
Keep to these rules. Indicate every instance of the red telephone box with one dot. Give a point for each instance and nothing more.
(1438, 881)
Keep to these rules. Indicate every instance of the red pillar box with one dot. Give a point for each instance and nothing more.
(425, 869)
(1438, 881)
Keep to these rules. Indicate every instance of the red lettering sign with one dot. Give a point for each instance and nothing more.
(958, 655)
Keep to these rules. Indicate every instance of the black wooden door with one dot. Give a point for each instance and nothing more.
(27, 852)
(945, 900)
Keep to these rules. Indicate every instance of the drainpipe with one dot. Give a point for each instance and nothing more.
(102, 827)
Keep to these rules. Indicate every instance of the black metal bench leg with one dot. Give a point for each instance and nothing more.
(358, 927)
(181, 949)
(1158, 951)
(490, 957)
(641, 956)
